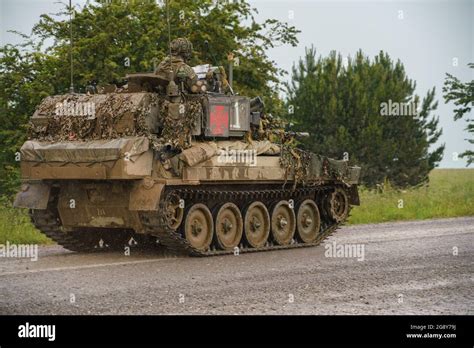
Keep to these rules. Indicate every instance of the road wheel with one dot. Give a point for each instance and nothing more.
(229, 226)
(283, 223)
(308, 221)
(199, 227)
(338, 205)
(257, 225)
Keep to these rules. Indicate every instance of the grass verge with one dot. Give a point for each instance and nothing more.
(450, 193)
(16, 227)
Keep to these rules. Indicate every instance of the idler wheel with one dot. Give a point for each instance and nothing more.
(338, 205)
(174, 213)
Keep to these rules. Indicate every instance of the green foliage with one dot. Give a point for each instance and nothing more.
(462, 94)
(16, 226)
(109, 36)
(340, 105)
(24, 81)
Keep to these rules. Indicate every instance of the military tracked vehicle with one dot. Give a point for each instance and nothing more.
(204, 171)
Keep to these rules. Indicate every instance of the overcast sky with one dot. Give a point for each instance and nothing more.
(431, 38)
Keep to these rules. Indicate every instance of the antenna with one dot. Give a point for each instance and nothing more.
(71, 87)
(169, 26)
(172, 89)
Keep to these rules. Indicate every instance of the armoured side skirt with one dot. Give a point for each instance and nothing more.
(267, 169)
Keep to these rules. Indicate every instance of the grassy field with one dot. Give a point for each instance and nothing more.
(449, 194)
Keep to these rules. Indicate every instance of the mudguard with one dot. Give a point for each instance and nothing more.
(33, 196)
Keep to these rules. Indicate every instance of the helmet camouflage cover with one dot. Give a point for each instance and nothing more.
(181, 47)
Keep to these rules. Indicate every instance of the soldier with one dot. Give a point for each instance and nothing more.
(181, 52)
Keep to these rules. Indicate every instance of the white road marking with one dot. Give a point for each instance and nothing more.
(96, 265)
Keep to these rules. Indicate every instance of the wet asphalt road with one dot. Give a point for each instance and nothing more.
(423, 267)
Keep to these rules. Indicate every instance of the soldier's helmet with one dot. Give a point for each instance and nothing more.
(181, 47)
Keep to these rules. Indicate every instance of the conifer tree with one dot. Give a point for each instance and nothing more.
(340, 102)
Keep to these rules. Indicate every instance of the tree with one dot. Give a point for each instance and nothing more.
(24, 81)
(462, 94)
(341, 103)
(114, 38)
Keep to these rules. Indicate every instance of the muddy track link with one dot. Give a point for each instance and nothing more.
(48, 222)
(155, 223)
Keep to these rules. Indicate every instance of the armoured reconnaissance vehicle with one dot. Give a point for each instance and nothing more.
(203, 171)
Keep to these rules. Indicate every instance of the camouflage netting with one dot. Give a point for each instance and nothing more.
(114, 116)
(178, 126)
(270, 128)
(296, 162)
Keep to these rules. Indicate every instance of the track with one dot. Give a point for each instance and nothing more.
(157, 224)
(48, 223)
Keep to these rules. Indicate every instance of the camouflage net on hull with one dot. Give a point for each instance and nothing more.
(296, 162)
(178, 126)
(114, 116)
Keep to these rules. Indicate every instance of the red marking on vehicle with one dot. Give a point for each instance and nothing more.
(219, 120)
